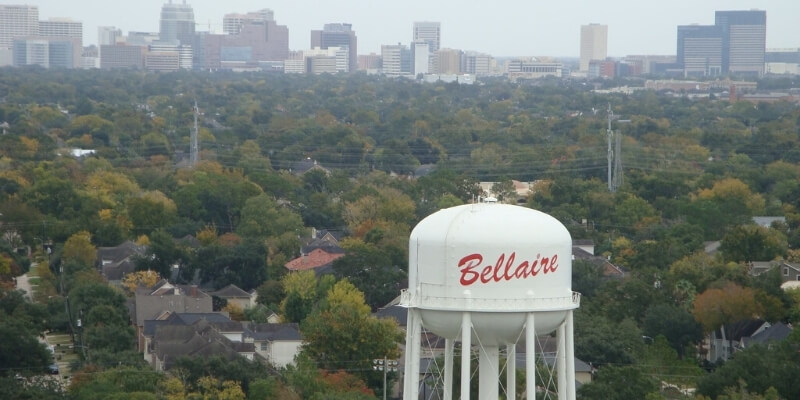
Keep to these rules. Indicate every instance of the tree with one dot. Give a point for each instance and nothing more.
(79, 248)
(675, 324)
(262, 217)
(140, 279)
(371, 271)
(746, 243)
(622, 383)
(342, 334)
(599, 340)
(728, 304)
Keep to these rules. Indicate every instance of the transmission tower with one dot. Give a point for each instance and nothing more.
(614, 153)
(194, 146)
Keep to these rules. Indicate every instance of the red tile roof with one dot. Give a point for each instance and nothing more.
(315, 259)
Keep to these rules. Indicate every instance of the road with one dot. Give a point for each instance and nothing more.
(24, 283)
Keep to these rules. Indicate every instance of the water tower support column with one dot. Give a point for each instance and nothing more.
(561, 361)
(530, 358)
(411, 378)
(466, 345)
(511, 371)
(488, 372)
(570, 354)
(449, 344)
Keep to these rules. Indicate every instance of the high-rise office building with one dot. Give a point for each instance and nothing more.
(734, 45)
(232, 23)
(17, 21)
(47, 52)
(744, 41)
(337, 35)
(177, 23)
(477, 63)
(449, 61)
(62, 27)
(420, 57)
(396, 60)
(700, 50)
(107, 35)
(594, 44)
(258, 44)
(430, 32)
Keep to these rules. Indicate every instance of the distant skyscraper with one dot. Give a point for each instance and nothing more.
(47, 52)
(594, 44)
(177, 23)
(232, 23)
(337, 35)
(420, 57)
(449, 61)
(62, 27)
(700, 50)
(17, 21)
(107, 35)
(396, 60)
(430, 32)
(744, 41)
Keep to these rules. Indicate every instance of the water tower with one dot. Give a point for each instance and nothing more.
(490, 275)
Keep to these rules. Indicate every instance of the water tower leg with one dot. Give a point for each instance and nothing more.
(448, 368)
(466, 345)
(561, 362)
(530, 358)
(489, 372)
(511, 371)
(570, 354)
(411, 375)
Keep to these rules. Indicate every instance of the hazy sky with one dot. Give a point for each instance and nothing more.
(500, 28)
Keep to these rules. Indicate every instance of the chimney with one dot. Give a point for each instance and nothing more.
(194, 291)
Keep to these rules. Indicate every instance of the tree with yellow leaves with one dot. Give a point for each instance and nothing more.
(138, 279)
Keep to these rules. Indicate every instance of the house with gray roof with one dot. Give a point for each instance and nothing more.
(200, 339)
(163, 297)
(277, 343)
(232, 294)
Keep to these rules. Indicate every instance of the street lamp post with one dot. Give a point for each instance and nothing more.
(386, 366)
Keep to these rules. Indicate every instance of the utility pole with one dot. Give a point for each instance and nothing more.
(386, 366)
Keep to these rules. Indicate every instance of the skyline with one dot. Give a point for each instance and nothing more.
(528, 29)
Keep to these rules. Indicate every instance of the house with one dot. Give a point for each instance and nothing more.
(790, 271)
(169, 318)
(200, 339)
(116, 262)
(150, 303)
(775, 333)
(583, 249)
(767, 222)
(235, 295)
(304, 166)
(277, 343)
(127, 249)
(757, 268)
(4, 127)
(115, 272)
(727, 339)
(318, 253)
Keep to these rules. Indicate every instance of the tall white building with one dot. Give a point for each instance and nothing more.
(107, 35)
(62, 27)
(421, 57)
(430, 32)
(594, 44)
(17, 21)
